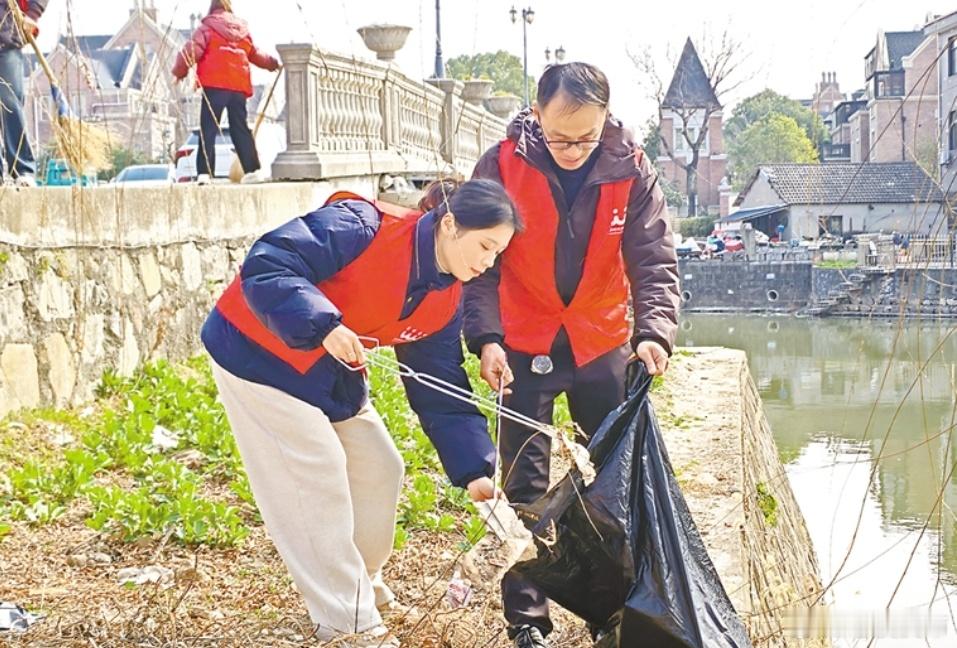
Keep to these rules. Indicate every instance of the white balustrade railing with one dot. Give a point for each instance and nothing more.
(348, 117)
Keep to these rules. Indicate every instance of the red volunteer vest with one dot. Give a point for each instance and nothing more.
(369, 291)
(532, 310)
(225, 65)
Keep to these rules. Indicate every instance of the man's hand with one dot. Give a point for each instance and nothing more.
(29, 26)
(481, 489)
(654, 356)
(494, 367)
(344, 344)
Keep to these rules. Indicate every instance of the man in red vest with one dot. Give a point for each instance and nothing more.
(553, 313)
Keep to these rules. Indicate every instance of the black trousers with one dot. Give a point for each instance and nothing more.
(234, 103)
(593, 391)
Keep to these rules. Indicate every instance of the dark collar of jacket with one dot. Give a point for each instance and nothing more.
(616, 154)
(425, 269)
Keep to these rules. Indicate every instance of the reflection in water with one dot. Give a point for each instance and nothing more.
(839, 393)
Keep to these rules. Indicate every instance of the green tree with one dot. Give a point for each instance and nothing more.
(927, 154)
(773, 139)
(121, 158)
(768, 102)
(651, 145)
(698, 227)
(503, 69)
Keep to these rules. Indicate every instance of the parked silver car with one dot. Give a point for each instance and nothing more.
(146, 175)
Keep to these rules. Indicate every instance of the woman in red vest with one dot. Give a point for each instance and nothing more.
(553, 312)
(322, 467)
(222, 50)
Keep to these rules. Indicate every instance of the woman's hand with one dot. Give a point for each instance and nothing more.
(482, 489)
(344, 344)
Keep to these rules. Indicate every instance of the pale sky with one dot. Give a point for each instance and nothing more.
(787, 45)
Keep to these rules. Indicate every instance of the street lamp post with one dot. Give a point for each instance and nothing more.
(528, 15)
(439, 67)
(559, 55)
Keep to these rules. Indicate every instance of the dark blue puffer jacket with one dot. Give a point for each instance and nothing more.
(279, 278)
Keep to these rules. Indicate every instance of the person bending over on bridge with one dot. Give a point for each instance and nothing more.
(222, 49)
(18, 159)
(553, 312)
(322, 466)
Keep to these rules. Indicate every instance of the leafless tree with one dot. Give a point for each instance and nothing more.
(721, 62)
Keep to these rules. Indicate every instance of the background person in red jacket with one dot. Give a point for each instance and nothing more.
(222, 50)
(553, 312)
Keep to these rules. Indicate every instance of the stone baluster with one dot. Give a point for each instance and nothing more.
(453, 93)
(348, 117)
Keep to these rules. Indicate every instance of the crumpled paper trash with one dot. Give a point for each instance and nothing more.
(508, 542)
(459, 592)
(148, 574)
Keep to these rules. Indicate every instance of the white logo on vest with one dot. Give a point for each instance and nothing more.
(618, 218)
(411, 335)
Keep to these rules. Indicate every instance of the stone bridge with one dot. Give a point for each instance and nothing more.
(349, 119)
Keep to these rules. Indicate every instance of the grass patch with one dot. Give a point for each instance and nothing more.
(843, 264)
(123, 458)
(154, 456)
(767, 504)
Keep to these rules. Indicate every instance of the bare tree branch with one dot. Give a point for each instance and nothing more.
(722, 62)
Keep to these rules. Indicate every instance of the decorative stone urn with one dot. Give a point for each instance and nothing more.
(476, 91)
(384, 40)
(503, 106)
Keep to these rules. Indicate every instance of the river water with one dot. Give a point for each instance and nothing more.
(863, 414)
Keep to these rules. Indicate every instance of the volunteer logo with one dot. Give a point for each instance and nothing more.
(411, 335)
(618, 217)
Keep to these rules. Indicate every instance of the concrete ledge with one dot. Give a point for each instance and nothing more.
(724, 456)
(107, 278)
(112, 216)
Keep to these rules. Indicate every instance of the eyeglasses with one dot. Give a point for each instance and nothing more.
(564, 145)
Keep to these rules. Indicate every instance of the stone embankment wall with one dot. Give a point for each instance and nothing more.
(724, 456)
(105, 279)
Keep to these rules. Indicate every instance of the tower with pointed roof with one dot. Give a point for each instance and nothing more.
(691, 121)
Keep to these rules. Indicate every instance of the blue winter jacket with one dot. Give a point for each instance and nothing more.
(279, 278)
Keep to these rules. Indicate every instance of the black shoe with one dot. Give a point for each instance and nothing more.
(527, 636)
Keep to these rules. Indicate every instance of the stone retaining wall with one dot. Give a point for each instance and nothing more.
(104, 279)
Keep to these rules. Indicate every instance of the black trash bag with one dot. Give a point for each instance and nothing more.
(623, 553)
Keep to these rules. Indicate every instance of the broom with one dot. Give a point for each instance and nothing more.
(85, 147)
(236, 172)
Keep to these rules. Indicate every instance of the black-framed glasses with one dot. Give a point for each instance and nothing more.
(564, 145)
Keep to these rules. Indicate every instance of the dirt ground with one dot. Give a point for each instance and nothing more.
(243, 597)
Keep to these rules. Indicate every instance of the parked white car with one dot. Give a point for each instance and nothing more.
(186, 156)
(270, 141)
(146, 175)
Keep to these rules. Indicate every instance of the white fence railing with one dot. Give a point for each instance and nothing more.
(347, 117)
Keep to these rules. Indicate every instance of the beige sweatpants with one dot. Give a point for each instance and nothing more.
(327, 492)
